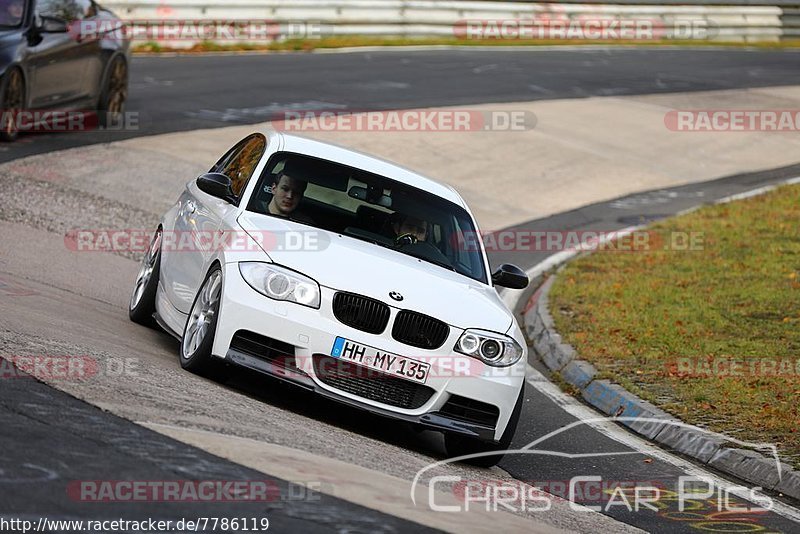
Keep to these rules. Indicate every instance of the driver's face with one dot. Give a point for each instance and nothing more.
(287, 195)
(416, 227)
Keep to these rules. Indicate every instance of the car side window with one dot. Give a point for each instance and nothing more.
(68, 10)
(240, 163)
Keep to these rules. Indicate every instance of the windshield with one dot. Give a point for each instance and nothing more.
(370, 208)
(11, 12)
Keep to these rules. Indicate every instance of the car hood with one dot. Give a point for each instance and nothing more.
(346, 264)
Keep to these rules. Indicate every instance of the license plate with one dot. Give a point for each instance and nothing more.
(370, 357)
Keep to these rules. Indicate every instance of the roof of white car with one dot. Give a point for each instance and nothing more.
(353, 158)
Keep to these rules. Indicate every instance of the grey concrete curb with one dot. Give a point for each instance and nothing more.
(644, 418)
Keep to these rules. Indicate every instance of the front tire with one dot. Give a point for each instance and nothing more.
(143, 299)
(201, 325)
(459, 445)
(12, 99)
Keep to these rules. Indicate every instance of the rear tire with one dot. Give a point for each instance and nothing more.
(111, 107)
(12, 97)
(460, 445)
(201, 326)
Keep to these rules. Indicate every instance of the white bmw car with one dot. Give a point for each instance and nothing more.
(347, 275)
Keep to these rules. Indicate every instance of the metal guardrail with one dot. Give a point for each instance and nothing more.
(778, 3)
(790, 22)
(425, 18)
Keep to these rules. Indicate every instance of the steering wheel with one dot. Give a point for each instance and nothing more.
(405, 239)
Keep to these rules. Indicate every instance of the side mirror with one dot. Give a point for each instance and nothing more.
(52, 25)
(217, 185)
(510, 276)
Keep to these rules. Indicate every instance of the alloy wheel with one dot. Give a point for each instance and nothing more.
(203, 314)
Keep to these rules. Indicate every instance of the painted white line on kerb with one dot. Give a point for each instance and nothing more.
(575, 408)
(757, 192)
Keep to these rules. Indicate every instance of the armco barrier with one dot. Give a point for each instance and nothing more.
(790, 22)
(421, 18)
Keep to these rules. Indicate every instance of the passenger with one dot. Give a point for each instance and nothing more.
(12, 14)
(288, 189)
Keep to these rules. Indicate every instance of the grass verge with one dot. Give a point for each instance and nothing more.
(308, 45)
(710, 335)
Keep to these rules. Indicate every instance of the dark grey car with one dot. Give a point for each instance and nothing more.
(47, 63)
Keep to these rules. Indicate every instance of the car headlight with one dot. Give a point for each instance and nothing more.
(490, 347)
(280, 283)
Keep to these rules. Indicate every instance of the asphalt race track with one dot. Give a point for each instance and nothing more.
(185, 93)
(90, 444)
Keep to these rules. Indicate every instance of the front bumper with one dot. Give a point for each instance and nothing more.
(312, 332)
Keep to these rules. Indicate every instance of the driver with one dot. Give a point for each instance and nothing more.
(407, 225)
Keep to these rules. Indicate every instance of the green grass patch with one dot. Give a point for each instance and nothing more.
(710, 335)
(362, 40)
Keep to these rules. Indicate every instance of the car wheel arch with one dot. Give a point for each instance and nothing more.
(215, 264)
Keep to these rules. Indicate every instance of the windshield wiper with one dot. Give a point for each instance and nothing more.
(440, 264)
(370, 240)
